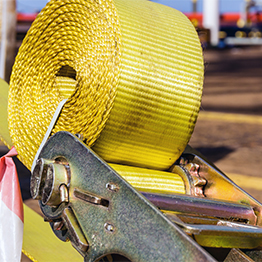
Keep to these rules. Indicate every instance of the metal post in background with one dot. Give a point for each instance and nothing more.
(194, 2)
(8, 37)
(211, 19)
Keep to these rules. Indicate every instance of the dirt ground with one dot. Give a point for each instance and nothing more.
(233, 80)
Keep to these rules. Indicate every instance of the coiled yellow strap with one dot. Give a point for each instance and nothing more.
(132, 71)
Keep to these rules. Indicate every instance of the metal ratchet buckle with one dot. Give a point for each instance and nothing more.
(90, 204)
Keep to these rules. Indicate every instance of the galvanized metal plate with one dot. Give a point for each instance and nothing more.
(112, 215)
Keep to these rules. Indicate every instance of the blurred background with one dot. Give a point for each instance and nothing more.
(229, 128)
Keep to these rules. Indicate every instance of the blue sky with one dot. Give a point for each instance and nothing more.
(186, 5)
(30, 6)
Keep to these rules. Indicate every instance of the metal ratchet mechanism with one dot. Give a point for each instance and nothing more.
(90, 204)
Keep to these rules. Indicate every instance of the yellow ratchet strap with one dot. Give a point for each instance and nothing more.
(38, 238)
(132, 74)
(154, 181)
(132, 71)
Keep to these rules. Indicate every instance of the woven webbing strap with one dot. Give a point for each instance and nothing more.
(132, 71)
